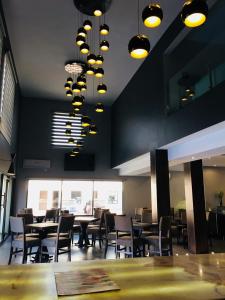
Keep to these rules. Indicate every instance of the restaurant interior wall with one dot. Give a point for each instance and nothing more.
(147, 125)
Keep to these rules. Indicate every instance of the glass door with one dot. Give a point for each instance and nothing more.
(5, 205)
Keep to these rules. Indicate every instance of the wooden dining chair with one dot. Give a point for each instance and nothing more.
(60, 243)
(110, 232)
(126, 241)
(51, 215)
(20, 241)
(97, 231)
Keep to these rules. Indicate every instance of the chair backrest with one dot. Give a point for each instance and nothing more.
(146, 216)
(28, 218)
(97, 212)
(21, 211)
(165, 226)
(28, 210)
(123, 223)
(109, 222)
(65, 224)
(51, 214)
(16, 224)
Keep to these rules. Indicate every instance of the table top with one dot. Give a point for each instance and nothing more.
(43, 225)
(143, 225)
(159, 278)
(86, 219)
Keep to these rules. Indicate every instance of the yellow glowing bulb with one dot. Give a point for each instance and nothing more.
(84, 50)
(104, 48)
(102, 91)
(139, 53)
(91, 61)
(195, 20)
(99, 62)
(99, 75)
(152, 22)
(99, 110)
(97, 12)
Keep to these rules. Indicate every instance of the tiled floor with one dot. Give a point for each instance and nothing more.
(97, 253)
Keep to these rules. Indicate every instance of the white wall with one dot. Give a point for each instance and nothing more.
(136, 193)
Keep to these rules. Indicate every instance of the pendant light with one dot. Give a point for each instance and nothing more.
(97, 12)
(72, 114)
(69, 80)
(70, 141)
(85, 121)
(194, 13)
(79, 144)
(83, 88)
(72, 154)
(87, 25)
(93, 130)
(99, 108)
(78, 101)
(68, 132)
(80, 40)
(76, 88)
(81, 31)
(83, 133)
(102, 88)
(99, 59)
(139, 45)
(69, 93)
(152, 15)
(99, 72)
(84, 48)
(104, 29)
(68, 124)
(76, 150)
(76, 108)
(90, 70)
(104, 45)
(67, 86)
(91, 59)
(81, 80)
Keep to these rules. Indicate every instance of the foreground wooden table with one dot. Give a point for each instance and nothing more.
(167, 278)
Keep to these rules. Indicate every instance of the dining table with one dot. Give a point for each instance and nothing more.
(151, 278)
(84, 221)
(42, 229)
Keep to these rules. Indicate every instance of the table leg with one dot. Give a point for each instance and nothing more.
(83, 237)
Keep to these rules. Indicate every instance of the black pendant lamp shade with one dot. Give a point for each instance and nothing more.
(88, 7)
(69, 80)
(72, 154)
(76, 150)
(102, 88)
(90, 70)
(91, 59)
(104, 29)
(68, 132)
(69, 94)
(194, 13)
(152, 15)
(83, 88)
(67, 86)
(81, 31)
(104, 45)
(99, 108)
(85, 121)
(81, 80)
(83, 133)
(139, 46)
(68, 124)
(77, 108)
(99, 72)
(84, 48)
(93, 129)
(78, 101)
(80, 40)
(71, 141)
(76, 88)
(87, 25)
(99, 60)
(79, 144)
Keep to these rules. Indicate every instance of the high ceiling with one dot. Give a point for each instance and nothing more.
(42, 35)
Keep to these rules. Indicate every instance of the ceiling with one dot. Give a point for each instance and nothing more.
(42, 35)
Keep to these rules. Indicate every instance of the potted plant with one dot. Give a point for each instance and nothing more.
(219, 195)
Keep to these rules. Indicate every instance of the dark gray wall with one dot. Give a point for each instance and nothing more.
(35, 143)
(139, 121)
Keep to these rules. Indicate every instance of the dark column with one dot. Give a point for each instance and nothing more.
(195, 205)
(160, 191)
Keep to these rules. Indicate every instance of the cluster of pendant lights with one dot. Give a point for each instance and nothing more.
(194, 14)
(93, 68)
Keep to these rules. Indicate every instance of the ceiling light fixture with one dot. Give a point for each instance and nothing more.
(102, 88)
(139, 46)
(90, 70)
(81, 80)
(194, 13)
(83, 133)
(80, 40)
(71, 141)
(152, 15)
(104, 45)
(99, 59)
(84, 88)
(85, 121)
(68, 124)
(67, 86)
(87, 25)
(97, 12)
(93, 129)
(68, 132)
(69, 80)
(99, 72)
(76, 88)
(99, 108)
(69, 94)
(84, 48)
(73, 68)
(81, 31)
(78, 101)
(104, 29)
(91, 59)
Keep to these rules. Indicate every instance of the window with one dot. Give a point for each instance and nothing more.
(79, 197)
(59, 120)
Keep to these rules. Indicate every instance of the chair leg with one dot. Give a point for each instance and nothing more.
(106, 248)
(69, 253)
(56, 255)
(10, 255)
(24, 261)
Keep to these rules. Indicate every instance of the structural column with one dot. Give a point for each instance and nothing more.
(160, 191)
(195, 207)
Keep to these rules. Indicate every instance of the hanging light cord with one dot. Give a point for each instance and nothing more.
(138, 9)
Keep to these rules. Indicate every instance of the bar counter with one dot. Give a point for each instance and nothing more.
(178, 277)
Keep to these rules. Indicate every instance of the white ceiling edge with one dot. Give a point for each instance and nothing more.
(204, 144)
